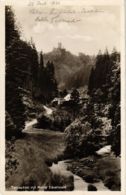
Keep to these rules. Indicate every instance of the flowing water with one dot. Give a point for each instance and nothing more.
(79, 184)
(61, 166)
(49, 111)
(29, 124)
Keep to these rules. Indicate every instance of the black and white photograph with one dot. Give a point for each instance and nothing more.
(63, 96)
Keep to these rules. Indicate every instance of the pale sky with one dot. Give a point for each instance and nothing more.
(94, 31)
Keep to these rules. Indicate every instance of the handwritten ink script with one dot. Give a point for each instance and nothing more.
(43, 12)
(43, 2)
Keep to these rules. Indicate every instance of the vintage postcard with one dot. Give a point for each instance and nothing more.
(63, 96)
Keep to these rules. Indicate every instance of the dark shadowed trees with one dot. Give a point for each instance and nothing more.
(14, 75)
(104, 89)
(25, 71)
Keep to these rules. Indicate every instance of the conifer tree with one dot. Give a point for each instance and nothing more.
(91, 80)
(75, 96)
(114, 99)
(41, 61)
(50, 80)
(11, 31)
(104, 89)
(14, 104)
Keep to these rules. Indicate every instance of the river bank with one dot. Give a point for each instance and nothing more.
(26, 158)
(39, 155)
(103, 171)
(62, 168)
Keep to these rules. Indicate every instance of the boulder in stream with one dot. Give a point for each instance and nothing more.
(44, 121)
(92, 188)
(90, 178)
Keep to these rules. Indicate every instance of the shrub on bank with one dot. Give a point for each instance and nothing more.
(60, 182)
(58, 121)
(76, 135)
(44, 121)
(82, 140)
(61, 119)
(10, 127)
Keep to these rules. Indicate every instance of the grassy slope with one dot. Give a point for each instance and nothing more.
(25, 158)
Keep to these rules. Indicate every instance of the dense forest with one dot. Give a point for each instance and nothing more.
(82, 91)
(25, 72)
